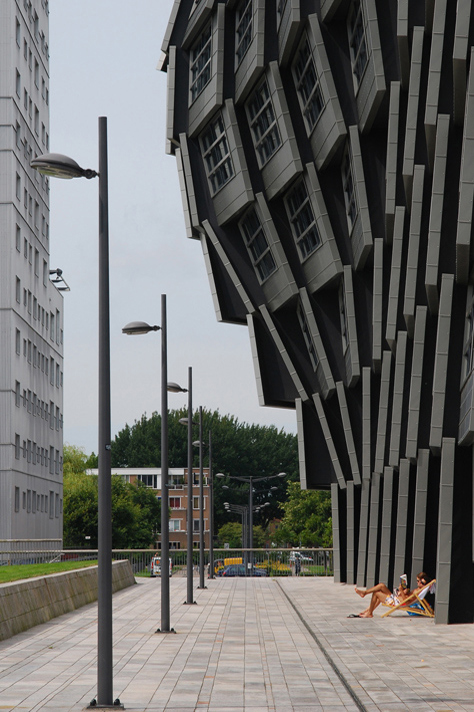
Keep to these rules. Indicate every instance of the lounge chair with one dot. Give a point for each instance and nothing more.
(415, 604)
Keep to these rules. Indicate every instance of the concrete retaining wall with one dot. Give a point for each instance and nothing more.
(27, 603)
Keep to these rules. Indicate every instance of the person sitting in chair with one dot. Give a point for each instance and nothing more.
(382, 594)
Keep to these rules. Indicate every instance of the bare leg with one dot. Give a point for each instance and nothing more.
(379, 588)
(377, 598)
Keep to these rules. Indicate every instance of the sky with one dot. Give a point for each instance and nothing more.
(103, 62)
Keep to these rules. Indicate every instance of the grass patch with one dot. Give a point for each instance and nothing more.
(25, 571)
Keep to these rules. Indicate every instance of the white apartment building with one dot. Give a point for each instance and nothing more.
(31, 305)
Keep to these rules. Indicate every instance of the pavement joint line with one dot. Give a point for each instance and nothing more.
(331, 662)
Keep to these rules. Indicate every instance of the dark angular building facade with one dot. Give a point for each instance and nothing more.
(325, 150)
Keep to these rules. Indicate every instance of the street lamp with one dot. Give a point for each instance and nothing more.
(175, 388)
(133, 329)
(59, 166)
(250, 479)
(199, 443)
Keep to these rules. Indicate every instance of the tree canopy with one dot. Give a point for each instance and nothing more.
(135, 509)
(307, 518)
(238, 450)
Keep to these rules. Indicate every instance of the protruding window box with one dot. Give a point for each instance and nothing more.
(272, 133)
(224, 161)
(312, 231)
(249, 43)
(205, 45)
(317, 95)
(267, 254)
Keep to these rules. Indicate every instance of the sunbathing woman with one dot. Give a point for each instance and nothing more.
(382, 594)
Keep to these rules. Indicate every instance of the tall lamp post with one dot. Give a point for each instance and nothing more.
(60, 166)
(250, 479)
(133, 329)
(175, 388)
(201, 504)
(200, 444)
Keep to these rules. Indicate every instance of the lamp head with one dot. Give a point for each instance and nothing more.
(60, 166)
(138, 327)
(175, 388)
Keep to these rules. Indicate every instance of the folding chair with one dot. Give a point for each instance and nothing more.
(415, 604)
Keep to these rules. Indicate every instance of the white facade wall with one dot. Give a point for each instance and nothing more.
(31, 307)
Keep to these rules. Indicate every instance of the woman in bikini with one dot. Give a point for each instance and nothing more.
(382, 594)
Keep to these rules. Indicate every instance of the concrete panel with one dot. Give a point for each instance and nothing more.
(398, 395)
(366, 424)
(409, 304)
(445, 531)
(395, 277)
(386, 538)
(434, 76)
(385, 382)
(400, 563)
(377, 306)
(441, 363)
(466, 185)
(436, 213)
(416, 383)
(351, 543)
(419, 524)
(373, 553)
(460, 54)
(412, 112)
(336, 532)
(363, 532)
(403, 43)
(391, 163)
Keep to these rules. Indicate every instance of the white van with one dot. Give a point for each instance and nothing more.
(155, 566)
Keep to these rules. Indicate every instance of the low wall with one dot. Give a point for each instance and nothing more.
(24, 604)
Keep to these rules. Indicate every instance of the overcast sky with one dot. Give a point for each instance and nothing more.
(103, 59)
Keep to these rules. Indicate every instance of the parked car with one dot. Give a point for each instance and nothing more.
(302, 557)
(155, 566)
(239, 570)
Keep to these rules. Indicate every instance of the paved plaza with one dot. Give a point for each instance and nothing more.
(253, 645)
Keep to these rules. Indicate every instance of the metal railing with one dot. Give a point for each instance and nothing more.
(272, 562)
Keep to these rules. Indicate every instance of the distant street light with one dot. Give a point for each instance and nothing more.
(250, 479)
(133, 329)
(175, 388)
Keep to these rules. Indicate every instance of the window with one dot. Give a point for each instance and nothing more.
(195, 502)
(263, 124)
(303, 222)
(17, 341)
(17, 395)
(313, 354)
(357, 40)
(17, 498)
(201, 63)
(18, 187)
(243, 29)
(18, 290)
(17, 457)
(18, 32)
(349, 191)
(18, 83)
(216, 155)
(257, 245)
(175, 502)
(175, 525)
(196, 527)
(307, 85)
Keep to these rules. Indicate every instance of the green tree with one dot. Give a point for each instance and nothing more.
(135, 513)
(238, 449)
(231, 533)
(307, 518)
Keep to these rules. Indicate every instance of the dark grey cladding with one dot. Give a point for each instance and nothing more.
(326, 156)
